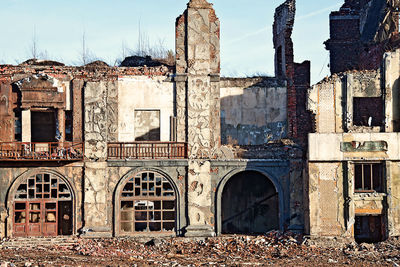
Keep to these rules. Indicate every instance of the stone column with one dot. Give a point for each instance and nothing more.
(26, 125)
(61, 124)
(197, 49)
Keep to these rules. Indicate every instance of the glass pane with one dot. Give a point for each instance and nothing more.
(377, 177)
(31, 183)
(128, 187)
(51, 206)
(46, 188)
(39, 188)
(126, 216)
(31, 193)
(63, 188)
(168, 226)
(34, 206)
(140, 215)
(140, 226)
(367, 177)
(47, 178)
(53, 182)
(126, 205)
(20, 206)
(155, 226)
(358, 177)
(168, 215)
(53, 193)
(51, 216)
(34, 217)
(39, 178)
(169, 205)
(20, 217)
(126, 227)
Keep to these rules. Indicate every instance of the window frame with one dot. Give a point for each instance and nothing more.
(382, 173)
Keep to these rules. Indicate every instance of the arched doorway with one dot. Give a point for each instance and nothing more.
(249, 205)
(42, 206)
(147, 203)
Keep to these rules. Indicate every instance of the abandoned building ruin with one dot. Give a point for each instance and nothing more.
(149, 149)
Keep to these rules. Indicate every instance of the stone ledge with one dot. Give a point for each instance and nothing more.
(148, 163)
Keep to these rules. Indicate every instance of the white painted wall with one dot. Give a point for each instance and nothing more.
(145, 93)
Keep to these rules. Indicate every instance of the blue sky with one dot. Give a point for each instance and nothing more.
(246, 30)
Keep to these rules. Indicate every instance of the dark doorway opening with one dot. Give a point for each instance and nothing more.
(369, 229)
(250, 204)
(43, 126)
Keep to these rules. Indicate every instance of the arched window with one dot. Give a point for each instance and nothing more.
(148, 203)
(43, 206)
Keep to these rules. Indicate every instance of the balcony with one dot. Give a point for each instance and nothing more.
(28, 151)
(148, 150)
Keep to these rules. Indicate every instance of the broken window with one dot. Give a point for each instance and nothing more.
(147, 125)
(368, 177)
(68, 125)
(147, 204)
(368, 111)
(368, 229)
(43, 207)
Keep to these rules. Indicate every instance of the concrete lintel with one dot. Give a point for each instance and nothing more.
(148, 163)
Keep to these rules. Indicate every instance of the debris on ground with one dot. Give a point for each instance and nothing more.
(273, 248)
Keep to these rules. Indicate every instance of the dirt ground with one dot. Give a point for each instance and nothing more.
(272, 249)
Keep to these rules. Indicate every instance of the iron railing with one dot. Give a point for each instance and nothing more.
(30, 151)
(148, 150)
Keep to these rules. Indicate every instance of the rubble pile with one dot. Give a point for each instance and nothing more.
(272, 248)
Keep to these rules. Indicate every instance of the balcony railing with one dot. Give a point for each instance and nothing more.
(147, 150)
(28, 151)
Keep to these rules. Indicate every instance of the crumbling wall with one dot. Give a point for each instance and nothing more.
(12, 175)
(326, 199)
(297, 75)
(138, 93)
(360, 33)
(332, 100)
(252, 112)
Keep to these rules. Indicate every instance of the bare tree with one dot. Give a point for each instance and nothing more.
(35, 52)
(86, 56)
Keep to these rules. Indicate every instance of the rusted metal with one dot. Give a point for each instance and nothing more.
(30, 151)
(36, 205)
(148, 203)
(148, 150)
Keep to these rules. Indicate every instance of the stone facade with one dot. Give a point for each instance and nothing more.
(345, 200)
(159, 150)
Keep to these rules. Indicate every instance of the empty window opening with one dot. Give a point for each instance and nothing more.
(368, 177)
(148, 205)
(147, 125)
(249, 204)
(369, 229)
(279, 62)
(43, 207)
(68, 125)
(43, 126)
(368, 111)
(17, 126)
